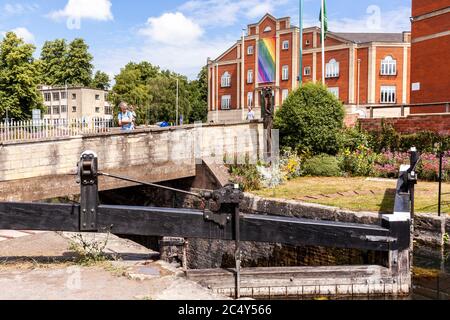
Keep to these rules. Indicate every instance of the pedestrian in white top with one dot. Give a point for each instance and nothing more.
(250, 114)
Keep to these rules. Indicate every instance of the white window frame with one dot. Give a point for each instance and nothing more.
(284, 95)
(334, 91)
(250, 50)
(388, 66)
(55, 96)
(47, 96)
(307, 73)
(285, 45)
(226, 80)
(388, 94)
(250, 76)
(332, 69)
(285, 73)
(225, 102)
(250, 99)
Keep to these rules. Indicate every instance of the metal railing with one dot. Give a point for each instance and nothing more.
(52, 128)
(403, 107)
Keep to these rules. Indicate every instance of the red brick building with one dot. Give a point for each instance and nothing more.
(362, 68)
(430, 54)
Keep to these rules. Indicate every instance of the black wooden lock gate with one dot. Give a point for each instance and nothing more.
(221, 218)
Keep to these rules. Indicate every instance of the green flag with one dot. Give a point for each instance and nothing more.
(325, 22)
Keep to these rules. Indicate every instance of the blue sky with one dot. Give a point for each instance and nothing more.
(179, 34)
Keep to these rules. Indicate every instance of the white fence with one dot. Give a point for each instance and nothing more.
(47, 128)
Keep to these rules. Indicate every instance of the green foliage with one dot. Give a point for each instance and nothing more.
(322, 166)
(101, 81)
(360, 162)
(53, 62)
(311, 119)
(389, 139)
(18, 78)
(61, 62)
(199, 97)
(153, 93)
(90, 252)
(446, 238)
(290, 164)
(352, 138)
(79, 66)
(247, 176)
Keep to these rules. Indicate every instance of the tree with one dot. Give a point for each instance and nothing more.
(79, 66)
(202, 82)
(18, 78)
(132, 86)
(61, 62)
(311, 119)
(53, 62)
(199, 97)
(153, 93)
(101, 81)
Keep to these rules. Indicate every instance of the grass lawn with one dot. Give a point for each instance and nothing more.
(376, 194)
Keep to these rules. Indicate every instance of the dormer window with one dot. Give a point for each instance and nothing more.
(226, 80)
(268, 29)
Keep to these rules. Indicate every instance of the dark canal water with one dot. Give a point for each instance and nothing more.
(431, 280)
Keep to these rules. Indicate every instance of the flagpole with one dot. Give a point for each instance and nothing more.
(322, 30)
(300, 74)
(243, 75)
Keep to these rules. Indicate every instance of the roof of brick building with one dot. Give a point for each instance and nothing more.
(371, 37)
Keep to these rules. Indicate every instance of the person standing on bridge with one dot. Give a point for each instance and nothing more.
(125, 117)
(133, 113)
(250, 114)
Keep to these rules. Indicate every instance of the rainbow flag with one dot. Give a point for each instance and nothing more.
(266, 60)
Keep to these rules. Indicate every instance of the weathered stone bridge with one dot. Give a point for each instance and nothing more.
(42, 169)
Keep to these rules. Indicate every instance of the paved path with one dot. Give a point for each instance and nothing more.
(12, 234)
(36, 267)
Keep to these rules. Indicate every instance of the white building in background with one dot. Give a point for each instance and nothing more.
(75, 103)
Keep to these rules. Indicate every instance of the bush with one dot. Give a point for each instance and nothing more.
(311, 119)
(352, 138)
(290, 164)
(247, 176)
(322, 166)
(360, 162)
(388, 139)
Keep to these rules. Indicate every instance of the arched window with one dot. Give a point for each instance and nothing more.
(388, 66)
(226, 80)
(268, 29)
(332, 69)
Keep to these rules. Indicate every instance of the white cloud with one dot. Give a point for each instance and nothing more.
(23, 33)
(85, 9)
(172, 28)
(228, 12)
